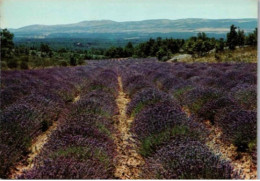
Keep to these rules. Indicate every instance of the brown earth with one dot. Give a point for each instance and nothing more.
(128, 162)
(35, 149)
(241, 162)
(76, 98)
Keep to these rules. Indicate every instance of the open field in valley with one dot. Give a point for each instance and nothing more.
(129, 119)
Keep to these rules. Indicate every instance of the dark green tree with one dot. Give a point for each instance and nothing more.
(88, 56)
(46, 50)
(115, 52)
(24, 65)
(163, 54)
(220, 45)
(198, 47)
(129, 49)
(240, 38)
(73, 61)
(172, 45)
(252, 38)
(33, 53)
(232, 37)
(62, 50)
(202, 36)
(63, 63)
(12, 63)
(189, 46)
(7, 44)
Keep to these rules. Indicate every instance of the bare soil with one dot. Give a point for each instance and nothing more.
(76, 98)
(128, 161)
(35, 149)
(241, 162)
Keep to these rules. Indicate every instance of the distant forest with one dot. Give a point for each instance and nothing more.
(28, 55)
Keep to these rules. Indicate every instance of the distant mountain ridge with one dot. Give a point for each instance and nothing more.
(132, 29)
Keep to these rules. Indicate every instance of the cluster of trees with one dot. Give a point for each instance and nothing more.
(161, 48)
(7, 44)
(24, 57)
(198, 45)
(201, 44)
(117, 52)
(237, 37)
(153, 47)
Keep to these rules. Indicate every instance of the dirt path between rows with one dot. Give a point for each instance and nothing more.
(35, 149)
(241, 162)
(128, 161)
(76, 99)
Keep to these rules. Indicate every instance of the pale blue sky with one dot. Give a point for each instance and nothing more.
(18, 13)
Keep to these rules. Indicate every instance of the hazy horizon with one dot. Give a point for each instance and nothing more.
(124, 21)
(17, 13)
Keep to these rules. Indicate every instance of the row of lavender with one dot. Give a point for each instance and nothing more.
(82, 147)
(224, 94)
(30, 102)
(172, 144)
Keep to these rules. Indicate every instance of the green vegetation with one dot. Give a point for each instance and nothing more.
(149, 143)
(141, 105)
(247, 98)
(22, 57)
(7, 44)
(102, 128)
(246, 54)
(81, 153)
(101, 87)
(201, 44)
(238, 38)
(197, 104)
(179, 93)
(102, 157)
(252, 145)
(29, 56)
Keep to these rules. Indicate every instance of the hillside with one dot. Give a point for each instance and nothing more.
(182, 28)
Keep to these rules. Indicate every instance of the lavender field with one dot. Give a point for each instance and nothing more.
(130, 119)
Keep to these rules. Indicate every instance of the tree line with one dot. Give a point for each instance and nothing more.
(198, 45)
(25, 57)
